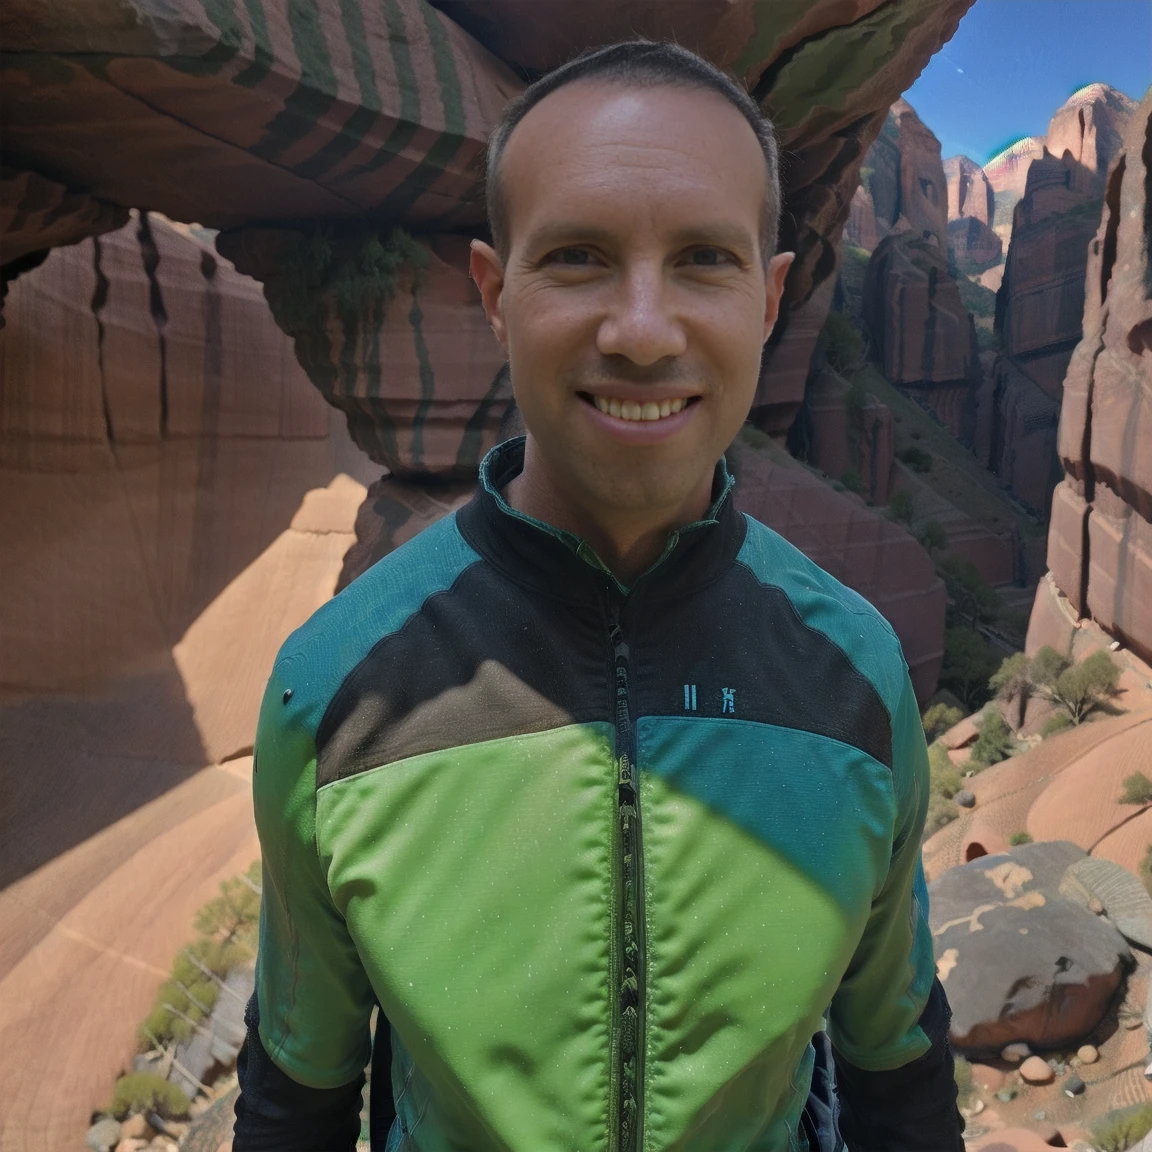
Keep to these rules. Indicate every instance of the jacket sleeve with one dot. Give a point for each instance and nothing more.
(889, 1019)
(314, 1001)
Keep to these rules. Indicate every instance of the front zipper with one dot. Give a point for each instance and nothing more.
(626, 1098)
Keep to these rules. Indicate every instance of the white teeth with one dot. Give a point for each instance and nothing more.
(633, 410)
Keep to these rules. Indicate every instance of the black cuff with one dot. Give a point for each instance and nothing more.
(908, 1109)
(276, 1114)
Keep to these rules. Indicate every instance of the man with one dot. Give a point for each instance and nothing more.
(605, 795)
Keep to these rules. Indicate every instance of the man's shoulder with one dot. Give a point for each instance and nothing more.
(320, 654)
(827, 605)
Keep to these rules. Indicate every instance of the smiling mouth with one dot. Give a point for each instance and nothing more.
(634, 410)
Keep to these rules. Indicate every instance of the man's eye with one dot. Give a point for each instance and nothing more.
(571, 257)
(708, 258)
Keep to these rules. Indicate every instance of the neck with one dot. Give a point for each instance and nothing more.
(627, 540)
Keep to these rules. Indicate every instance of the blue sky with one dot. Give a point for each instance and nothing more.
(1012, 63)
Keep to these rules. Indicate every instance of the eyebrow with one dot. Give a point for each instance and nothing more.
(718, 235)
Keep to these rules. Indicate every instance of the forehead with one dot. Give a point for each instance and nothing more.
(613, 152)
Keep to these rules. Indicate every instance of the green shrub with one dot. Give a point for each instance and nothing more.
(853, 482)
(988, 340)
(932, 537)
(902, 506)
(147, 1092)
(995, 742)
(1119, 1130)
(1137, 789)
(939, 718)
(1057, 723)
(845, 348)
(1018, 838)
(944, 782)
(917, 459)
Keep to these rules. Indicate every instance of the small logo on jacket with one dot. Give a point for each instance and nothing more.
(728, 700)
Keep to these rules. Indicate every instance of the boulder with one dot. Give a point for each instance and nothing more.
(1012, 1140)
(1124, 899)
(1037, 1070)
(104, 1135)
(1052, 988)
(1087, 1054)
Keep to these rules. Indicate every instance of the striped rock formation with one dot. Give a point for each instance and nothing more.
(272, 111)
(1100, 540)
(392, 333)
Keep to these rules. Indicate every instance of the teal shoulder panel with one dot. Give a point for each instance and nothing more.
(834, 609)
(314, 661)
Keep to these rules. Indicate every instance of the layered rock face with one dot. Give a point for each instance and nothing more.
(1100, 542)
(924, 337)
(922, 334)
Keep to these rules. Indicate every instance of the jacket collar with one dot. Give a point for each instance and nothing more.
(560, 563)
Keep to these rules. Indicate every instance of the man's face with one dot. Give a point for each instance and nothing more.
(633, 303)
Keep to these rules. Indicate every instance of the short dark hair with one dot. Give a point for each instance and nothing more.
(636, 64)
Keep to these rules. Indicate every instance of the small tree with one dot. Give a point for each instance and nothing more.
(995, 742)
(1013, 681)
(939, 718)
(974, 600)
(1077, 688)
(969, 663)
(1018, 838)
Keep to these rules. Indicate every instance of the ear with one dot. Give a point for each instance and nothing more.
(487, 270)
(777, 273)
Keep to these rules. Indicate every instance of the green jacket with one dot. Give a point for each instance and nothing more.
(605, 858)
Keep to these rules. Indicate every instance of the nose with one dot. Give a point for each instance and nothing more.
(641, 323)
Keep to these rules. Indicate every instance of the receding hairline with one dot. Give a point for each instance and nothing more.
(642, 80)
